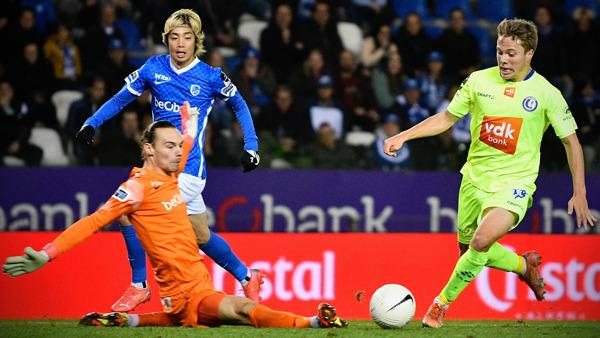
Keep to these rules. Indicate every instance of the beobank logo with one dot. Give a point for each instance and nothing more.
(570, 281)
(501, 133)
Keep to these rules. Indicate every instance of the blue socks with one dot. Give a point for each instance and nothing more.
(220, 252)
(216, 248)
(136, 254)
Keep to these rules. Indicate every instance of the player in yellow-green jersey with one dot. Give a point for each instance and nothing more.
(511, 107)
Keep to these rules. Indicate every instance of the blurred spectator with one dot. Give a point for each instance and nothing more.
(325, 109)
(434, 84)
(280, 43)
(220, 115)
(377, 47)
(410, 102)
(254, 80)
(304, 81)
(354, 91)
(459, 46)
(583, 46)
(227, 14)
(14, 131)
(400, 162)
(413, 44)
(549, 57)
(587, 114)
(32, 72)
(94, 45)
(89, 15)
(64, 56)
(461, 130)
(423, 151)
(228, 145)
(122, 147)
(21, 33)
(330, 153)
(320, 32)
(116, 68)
(284, 119)
(45, 13)
(446, 152)
(69, 11)
(79, 112)
(388, 82)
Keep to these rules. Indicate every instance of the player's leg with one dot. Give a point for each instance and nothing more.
(212, 244)
(138, 292)
(494, 225)
(234, 310)
(527, 264)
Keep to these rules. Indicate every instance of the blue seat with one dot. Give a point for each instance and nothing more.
(444, 7)
(433, 31)
(496, 10)
(571, 5)
(403, 7)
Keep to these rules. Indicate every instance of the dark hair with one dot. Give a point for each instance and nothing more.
(150, 132)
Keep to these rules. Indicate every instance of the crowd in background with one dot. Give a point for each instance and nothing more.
(315, 104)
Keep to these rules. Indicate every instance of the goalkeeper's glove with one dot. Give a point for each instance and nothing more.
(85, 135)
(189, 120)
(250, 160)
(20, 265)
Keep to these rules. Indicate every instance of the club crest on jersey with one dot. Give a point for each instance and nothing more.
(519, 193)
(121, 194)
(195, 89)
(530, 103)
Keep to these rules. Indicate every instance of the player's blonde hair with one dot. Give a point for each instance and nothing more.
(185, 18)
(519, 29)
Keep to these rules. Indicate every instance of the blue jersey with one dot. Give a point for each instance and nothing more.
(198, 83)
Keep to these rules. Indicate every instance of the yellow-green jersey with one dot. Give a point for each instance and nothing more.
(508, 120)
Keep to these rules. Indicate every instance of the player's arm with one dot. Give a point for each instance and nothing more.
(578, 201)
(229, 93)
(135, 85)
(433, 125)
(109, 109)
(438, 123)
(124, 201)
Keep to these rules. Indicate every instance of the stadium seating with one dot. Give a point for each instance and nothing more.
(62, 100)
(251, 30)
(360, 138)
(444, 7)
(495, 10)
(403, 7)
(351, 36)
(49, 140)
(11, 161)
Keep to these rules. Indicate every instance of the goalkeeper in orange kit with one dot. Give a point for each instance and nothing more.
(153, 203)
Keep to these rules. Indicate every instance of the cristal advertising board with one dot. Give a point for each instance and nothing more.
(305, 269)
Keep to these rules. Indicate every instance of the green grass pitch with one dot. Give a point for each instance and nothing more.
(496, 329)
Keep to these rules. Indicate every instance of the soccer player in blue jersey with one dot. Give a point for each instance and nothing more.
(172, 80)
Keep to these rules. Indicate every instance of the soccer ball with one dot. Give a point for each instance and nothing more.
(392, 306)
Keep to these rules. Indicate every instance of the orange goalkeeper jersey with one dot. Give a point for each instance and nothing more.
(156, 208)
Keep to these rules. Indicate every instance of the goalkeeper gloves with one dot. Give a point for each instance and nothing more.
(189, 120)
(20, 265)
(250, 160)
(85, 135)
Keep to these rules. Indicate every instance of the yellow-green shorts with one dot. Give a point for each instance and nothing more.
(472, 202)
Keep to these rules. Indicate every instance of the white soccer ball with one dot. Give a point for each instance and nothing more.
(392, 306)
